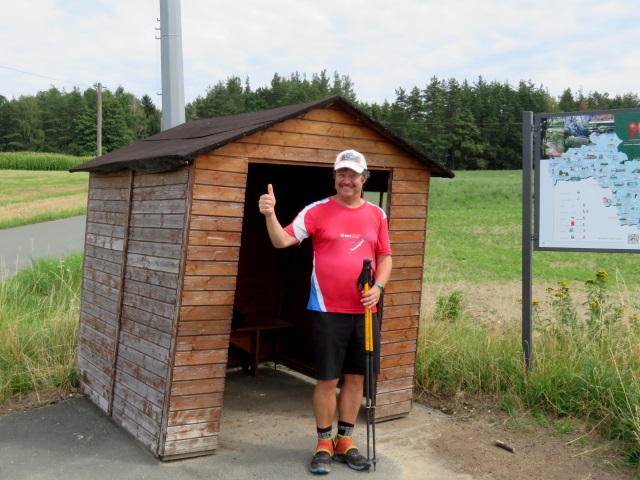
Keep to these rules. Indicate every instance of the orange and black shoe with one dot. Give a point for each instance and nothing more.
(321, 461)
(345, 451)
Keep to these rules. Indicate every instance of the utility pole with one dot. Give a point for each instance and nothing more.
(171, 63)
(99, 128)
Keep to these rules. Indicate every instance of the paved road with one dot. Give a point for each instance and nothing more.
(56, 239)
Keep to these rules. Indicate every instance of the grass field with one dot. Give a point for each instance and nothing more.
(474, 244)
(28, 197)
(475, 234)
(41, 161)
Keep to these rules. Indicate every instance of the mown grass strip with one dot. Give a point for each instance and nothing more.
(28, 197)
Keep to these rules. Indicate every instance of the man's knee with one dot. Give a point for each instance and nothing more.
(326, 385)
(353, 380)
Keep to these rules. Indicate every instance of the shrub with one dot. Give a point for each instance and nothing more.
(449, 307)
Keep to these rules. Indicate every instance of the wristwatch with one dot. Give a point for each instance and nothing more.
(380, 286)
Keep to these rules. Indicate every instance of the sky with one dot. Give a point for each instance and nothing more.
(381, 45)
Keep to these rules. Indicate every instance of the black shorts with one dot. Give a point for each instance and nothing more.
(339, 343)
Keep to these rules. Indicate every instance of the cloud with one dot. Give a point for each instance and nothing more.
(380, 45)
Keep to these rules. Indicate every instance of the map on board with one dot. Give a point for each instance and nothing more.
(589, 182)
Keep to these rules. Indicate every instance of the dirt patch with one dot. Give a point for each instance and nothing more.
(31, 400)
(500, 303)
(467, 438)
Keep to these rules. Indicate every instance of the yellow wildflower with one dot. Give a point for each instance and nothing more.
(601, 274)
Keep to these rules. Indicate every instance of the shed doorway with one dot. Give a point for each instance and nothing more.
(273, 284)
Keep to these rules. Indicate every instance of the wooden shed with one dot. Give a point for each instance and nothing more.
(176, 251)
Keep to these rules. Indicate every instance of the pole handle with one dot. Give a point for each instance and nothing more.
(365, 281)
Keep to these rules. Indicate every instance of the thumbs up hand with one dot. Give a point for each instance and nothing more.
(267, 202)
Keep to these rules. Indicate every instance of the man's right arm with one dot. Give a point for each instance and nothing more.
(279, 237)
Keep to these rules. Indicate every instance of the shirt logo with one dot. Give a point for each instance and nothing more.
(358, 245)
(353, 237)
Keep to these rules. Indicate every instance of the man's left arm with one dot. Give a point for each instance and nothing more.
(383, 272)
(383, 269)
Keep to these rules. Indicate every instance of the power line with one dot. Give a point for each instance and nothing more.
(44, 76)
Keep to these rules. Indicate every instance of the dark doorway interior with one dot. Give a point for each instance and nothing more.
(274, 283)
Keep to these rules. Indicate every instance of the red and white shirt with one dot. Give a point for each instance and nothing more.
(342, 238)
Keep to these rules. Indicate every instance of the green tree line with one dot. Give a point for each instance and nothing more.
(463, 125)
(57, 121)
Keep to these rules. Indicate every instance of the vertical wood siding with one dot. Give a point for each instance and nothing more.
(147, 322)
(107, 221)
(215, 226)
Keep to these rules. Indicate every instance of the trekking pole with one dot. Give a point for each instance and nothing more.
(365, 281)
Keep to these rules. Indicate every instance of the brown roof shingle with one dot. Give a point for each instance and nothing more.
(178, 146)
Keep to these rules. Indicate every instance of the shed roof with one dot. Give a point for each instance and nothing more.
(180, 145)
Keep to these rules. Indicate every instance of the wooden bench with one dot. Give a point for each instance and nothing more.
(259, 341)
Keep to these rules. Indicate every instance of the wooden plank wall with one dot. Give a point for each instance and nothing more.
(401, 313)
(107, 222)
(314, 139)
(149, 301)
(198, 375)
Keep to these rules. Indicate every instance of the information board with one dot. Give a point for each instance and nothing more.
(587, 187)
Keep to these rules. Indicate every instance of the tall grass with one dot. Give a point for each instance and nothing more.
(38, 161)
(586, 361)
(39, 309)
(586, 352)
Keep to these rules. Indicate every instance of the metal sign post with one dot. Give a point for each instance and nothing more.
(527, 239)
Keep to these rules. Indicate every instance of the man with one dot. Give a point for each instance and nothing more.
(345, 229)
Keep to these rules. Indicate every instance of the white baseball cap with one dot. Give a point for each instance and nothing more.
(350, 159)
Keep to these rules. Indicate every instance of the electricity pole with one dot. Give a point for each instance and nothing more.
(171, 62)
(99, 128)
